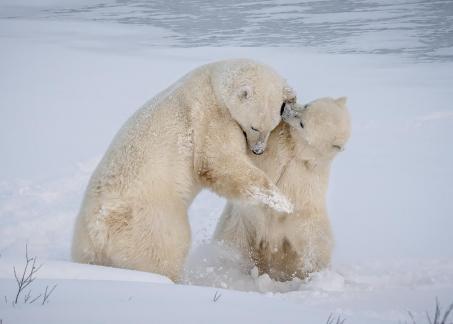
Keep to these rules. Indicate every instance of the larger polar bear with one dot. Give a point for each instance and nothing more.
(298, 159)
(190, 136)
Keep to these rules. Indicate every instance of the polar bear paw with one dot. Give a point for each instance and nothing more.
(273, 199)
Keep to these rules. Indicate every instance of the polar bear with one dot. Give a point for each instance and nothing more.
(189, 137)
(298, 160)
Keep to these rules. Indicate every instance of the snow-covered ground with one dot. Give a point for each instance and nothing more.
(68, 82)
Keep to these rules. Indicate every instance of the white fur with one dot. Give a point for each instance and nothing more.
(190, 136)
(298, 160)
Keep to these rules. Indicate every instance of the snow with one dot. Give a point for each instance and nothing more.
(68, 270)
(120, 302)
(66, 86)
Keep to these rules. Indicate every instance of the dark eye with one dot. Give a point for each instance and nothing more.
(337, 147)
(254, 129)
(306, 106)
(282, 108)
(302, 124)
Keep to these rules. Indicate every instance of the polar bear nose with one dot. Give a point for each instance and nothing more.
(258, 148)
(258, 151)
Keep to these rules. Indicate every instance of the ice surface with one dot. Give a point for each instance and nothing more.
(421, 30)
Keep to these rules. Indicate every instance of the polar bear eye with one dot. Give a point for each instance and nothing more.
(245, 93)
(301, 124)
(337, 147)
(254, 129)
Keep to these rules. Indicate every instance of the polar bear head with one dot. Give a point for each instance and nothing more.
(321, 128)
(253, 94)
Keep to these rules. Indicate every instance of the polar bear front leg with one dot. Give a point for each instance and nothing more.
(235, 177)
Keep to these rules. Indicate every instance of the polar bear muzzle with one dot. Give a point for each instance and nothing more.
(258, 148)
(287, 112)
(256, 145)
(257, 141)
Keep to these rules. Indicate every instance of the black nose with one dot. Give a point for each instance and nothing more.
(257, 152)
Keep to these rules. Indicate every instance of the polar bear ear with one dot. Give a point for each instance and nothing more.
(341, 101)
(244, 92)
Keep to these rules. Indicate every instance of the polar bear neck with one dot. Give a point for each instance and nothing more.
(305, 185)
(304, 176)
(295, 168)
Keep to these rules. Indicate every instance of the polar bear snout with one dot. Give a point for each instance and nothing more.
(257, 142)
(287, 112)
(258, 148)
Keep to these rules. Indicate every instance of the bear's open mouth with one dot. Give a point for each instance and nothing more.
(282, 108)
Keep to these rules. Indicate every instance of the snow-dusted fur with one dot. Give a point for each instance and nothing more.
(190, 136)
(298, 160)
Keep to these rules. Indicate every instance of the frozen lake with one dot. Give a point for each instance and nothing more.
(420, 30)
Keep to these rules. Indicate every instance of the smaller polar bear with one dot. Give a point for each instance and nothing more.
(189, 137)
(298, 159)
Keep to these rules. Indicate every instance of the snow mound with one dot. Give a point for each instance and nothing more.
(68, 270)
